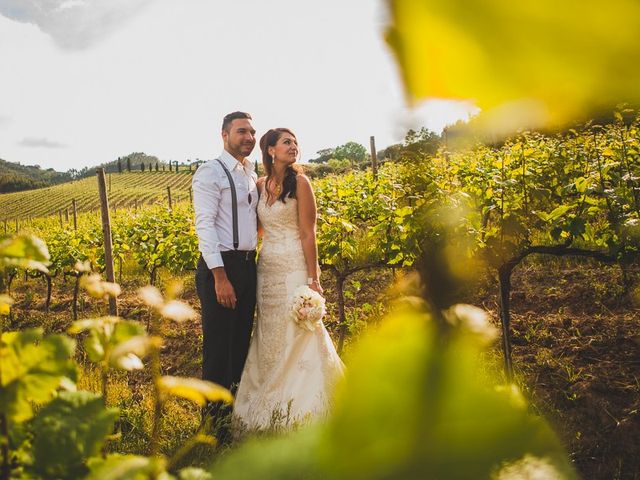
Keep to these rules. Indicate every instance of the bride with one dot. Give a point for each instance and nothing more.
(289, 371)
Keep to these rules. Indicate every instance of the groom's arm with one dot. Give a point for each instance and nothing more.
(206, 201)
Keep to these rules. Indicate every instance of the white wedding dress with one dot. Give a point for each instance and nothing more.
(290, 372)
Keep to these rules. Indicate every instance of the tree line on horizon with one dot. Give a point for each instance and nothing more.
(15, 177)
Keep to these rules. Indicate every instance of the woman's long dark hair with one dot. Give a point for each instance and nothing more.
(270, 139)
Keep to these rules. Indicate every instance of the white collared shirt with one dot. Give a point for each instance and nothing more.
(213, 211)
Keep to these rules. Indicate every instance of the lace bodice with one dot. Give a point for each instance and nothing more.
(280, 225)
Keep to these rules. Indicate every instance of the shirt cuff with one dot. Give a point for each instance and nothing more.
(213, 260)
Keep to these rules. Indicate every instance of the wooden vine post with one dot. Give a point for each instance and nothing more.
(106, 231)
(75, 214)
(169, 196)
(374, 157)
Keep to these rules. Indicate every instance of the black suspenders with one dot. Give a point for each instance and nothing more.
(234, 205)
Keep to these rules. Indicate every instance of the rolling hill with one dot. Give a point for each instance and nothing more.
(124, 189)
(15, 177)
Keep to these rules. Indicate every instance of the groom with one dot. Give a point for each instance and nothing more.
(225, 199)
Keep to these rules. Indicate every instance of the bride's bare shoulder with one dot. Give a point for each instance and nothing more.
(302, 180)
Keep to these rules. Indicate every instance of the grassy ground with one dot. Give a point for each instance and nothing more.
(576, 353)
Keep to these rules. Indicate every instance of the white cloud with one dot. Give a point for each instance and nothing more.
(34, 142)
(73, 24)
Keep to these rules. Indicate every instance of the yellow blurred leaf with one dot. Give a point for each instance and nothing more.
(523, 63)
(198, 391)
(5, 304)
(104, 324)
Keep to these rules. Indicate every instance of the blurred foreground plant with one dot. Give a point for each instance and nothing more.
(525, 64)
(417, 401)
(50, 430)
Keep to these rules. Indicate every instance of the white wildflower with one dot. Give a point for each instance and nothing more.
(529, 468)
(151, 296)
(178, 311)
(82, 267)
(472, 319)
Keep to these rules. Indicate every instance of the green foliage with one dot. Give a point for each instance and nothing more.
(127, 467)
(32, 368)
(574, 189)
(67, 247)
(68, 430)
(23, 251)
(365, 220)
(163, 238)
(106, 338)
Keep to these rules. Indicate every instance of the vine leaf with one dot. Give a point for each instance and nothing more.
(32, 369)
(68, 430)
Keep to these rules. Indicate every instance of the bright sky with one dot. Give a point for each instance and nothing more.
(86, 81)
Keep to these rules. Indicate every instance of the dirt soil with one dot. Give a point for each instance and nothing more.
(576, 348)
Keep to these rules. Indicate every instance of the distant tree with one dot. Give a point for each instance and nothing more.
(156, 166)
(142, 166)
(129, 164)
(324, 156)
(119, 165)
(420, 143)
(392, 152)
(352, 151)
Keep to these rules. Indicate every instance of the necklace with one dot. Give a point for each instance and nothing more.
(277, 190)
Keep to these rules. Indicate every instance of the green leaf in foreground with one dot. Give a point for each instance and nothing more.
(68, 430)
(24, 251)
(127, 467)
(525, 62)
(413, 406)
(32, 368)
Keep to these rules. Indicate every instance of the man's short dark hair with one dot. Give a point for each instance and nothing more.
(230, 117)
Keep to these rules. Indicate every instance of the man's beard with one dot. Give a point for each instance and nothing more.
(244, 149)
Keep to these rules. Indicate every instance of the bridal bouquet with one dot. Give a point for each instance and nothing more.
(307, 308)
